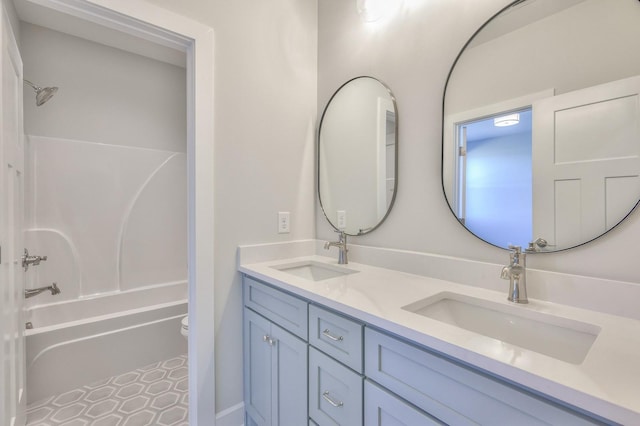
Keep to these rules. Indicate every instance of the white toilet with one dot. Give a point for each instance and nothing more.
(184, 330)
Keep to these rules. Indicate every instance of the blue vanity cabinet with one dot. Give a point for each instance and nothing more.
(275, 364)
(305, 364)
(453, 393)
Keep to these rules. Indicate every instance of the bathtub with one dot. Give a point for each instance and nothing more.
(75, 343)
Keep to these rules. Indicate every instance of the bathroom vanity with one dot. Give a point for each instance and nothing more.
(354, 344)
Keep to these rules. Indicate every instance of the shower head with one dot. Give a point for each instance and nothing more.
(43, 94)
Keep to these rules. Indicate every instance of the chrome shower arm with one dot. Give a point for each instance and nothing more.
(36, 88)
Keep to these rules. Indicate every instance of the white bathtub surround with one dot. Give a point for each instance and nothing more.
(156, 394)
(51, 316)
(604, 383)
(65, 356)
(109, 217)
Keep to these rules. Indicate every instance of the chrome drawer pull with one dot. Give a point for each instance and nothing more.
(327, 398)
(266, 338)
(328, 335)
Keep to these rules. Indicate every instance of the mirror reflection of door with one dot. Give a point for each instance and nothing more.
(386, 141)
(586, 161)
(494, 177)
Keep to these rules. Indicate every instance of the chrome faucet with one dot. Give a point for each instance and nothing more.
(36, 291)
(28, 260)
(342, 247)
(516, 273)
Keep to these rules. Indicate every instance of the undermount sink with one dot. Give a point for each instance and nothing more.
(561, 338)
(314, 271)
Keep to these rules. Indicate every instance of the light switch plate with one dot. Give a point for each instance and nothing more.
(283, 222)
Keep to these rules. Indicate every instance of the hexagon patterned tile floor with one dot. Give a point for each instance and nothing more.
(153, 395)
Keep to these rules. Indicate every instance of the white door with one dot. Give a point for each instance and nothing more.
(586, 161)
(12, 355)
(385, 140)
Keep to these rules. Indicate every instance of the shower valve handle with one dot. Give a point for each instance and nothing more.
(28, 260)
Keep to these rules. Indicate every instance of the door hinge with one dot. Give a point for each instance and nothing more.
(462, 151)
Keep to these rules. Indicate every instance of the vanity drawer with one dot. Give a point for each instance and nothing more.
(286, 310)
(337, 336)
(385, 409)
(335, 392)
(454, 393)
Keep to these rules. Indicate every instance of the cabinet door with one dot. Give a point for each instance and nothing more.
(275, 374)
(385, 409)
(258, 367)
(290, 384)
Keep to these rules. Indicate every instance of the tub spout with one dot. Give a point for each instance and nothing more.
(36, 291)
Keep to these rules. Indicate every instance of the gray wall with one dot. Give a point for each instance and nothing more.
(265, 120)
(542, 55)
(13, 18)
(106, 95)
(412, 53)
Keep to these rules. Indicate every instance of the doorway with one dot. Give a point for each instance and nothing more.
(152, 23)
(494, 177)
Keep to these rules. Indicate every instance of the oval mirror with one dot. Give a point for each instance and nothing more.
(541, 132)
(357, 156)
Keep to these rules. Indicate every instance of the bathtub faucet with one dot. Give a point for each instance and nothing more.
(28, 260)
(36, 291)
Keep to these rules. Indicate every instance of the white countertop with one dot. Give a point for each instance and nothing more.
(606, 383)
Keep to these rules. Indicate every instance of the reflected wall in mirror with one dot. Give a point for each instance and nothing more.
(541, 132)
(357, 156)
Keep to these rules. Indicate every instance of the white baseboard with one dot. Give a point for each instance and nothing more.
(232, 416)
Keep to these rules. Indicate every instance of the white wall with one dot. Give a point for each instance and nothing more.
(13, 18)
(412, 53)
(106, 95)
(265, 121)
(106, 167)
(567, 51)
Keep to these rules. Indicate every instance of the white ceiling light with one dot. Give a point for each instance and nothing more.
(507, 120)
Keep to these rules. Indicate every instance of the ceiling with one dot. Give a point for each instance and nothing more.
(33, 13)
(484, 129)
(520, 15)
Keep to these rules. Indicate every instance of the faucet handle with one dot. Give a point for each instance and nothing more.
(505, 274)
